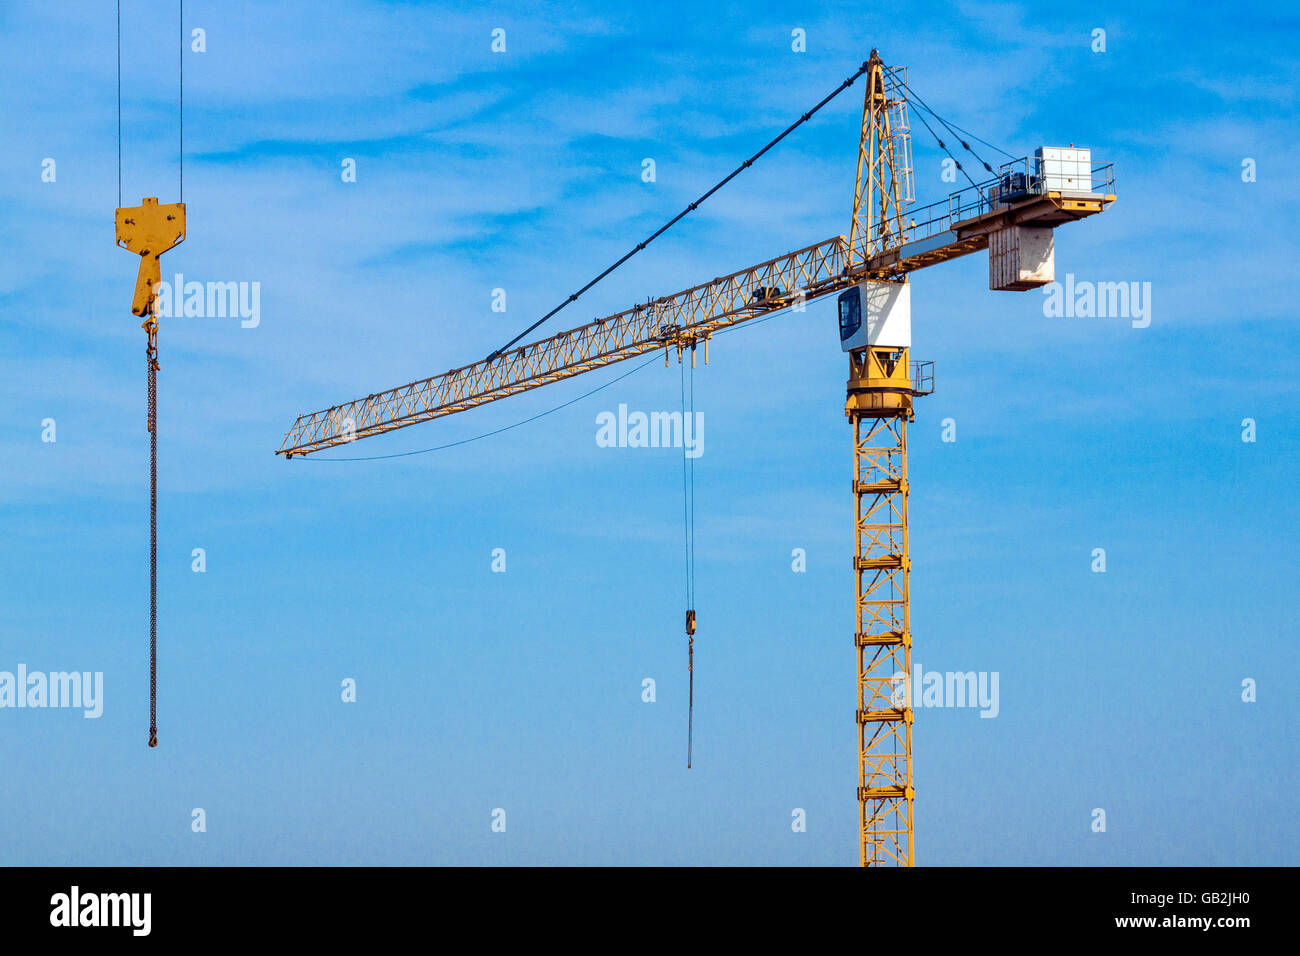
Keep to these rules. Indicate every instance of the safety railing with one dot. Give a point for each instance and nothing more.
(1015, 181)
(922, 378)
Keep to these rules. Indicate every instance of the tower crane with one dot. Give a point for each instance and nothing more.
(1013, 216)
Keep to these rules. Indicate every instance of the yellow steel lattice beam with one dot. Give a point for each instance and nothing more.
(695, 313)
(884, 641)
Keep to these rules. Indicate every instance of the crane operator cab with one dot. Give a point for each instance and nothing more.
(876, 314)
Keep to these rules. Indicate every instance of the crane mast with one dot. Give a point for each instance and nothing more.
(1013, 216)
(879, 407)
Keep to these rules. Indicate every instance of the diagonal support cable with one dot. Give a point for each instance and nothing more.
(688, 210)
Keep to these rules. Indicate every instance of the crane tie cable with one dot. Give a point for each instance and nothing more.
(689, 209)
(943, 146)
(955, 130)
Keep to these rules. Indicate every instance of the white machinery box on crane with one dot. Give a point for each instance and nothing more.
(1063, 169)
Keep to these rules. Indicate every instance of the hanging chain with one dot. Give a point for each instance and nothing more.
(151, 353)
(690, 713)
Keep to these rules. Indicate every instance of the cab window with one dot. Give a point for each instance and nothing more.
(850, 313)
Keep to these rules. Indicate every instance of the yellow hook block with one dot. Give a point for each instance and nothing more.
(149, 230)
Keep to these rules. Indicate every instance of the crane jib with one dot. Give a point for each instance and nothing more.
(945, 230)
(690, 315)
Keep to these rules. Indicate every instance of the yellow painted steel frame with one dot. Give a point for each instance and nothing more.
(671, 321)
(879, 406)
(884, 177)
(149, 230)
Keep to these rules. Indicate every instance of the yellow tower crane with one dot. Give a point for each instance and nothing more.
(1013, 215)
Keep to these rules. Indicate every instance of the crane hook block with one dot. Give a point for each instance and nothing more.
(690, 623)
(149, 230)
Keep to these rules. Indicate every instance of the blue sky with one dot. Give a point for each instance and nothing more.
(478, 690)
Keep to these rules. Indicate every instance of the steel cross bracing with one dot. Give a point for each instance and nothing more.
(879, 405)
(884, 637)
(690, 315)
(884, 178)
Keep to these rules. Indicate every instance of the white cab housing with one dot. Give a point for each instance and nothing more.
(876, 314)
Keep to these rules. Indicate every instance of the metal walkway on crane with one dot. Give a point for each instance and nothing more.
(962, 224)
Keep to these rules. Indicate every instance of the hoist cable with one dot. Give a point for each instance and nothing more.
(695, 432)
(119, 103)
(181, 151)
(690, 649)
(686, 491)
(181, 111)
(689, 209)
(688, 524)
